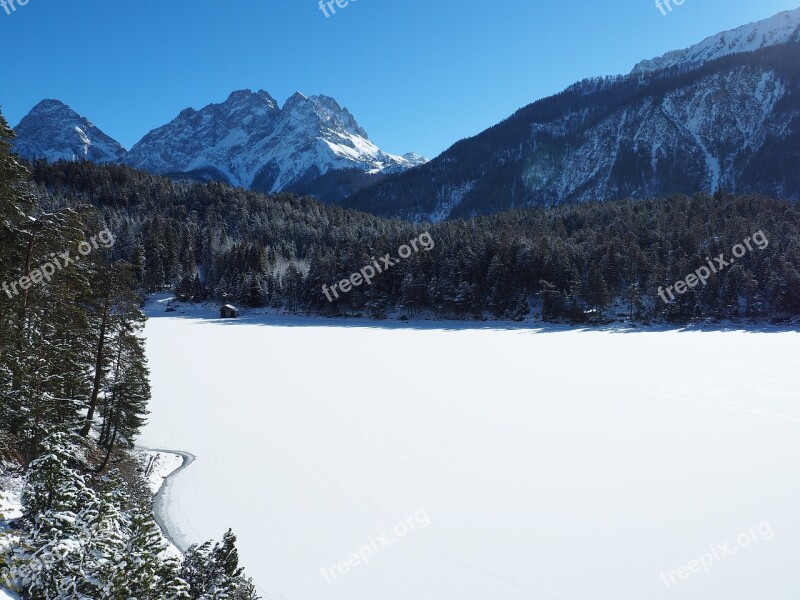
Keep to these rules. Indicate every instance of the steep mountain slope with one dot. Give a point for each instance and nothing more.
(779, 29)
(53, 131)
(732, 123)
(249, 141)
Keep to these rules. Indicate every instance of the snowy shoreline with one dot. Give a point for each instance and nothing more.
(164, 305)
(162, 466)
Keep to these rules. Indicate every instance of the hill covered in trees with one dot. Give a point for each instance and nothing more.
(725, 124)
(74, 389)
(572, 262)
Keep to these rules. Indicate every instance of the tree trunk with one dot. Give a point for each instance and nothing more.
(98, 368)
(106, 430)
(110, 445)
(16, 383)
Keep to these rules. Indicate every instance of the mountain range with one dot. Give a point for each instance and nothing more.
(721, 115)
(247, 141)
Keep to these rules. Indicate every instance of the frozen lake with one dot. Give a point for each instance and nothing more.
(484, 464)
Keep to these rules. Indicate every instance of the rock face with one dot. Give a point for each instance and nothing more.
(249, 141)
(53, 131)
(722, 115)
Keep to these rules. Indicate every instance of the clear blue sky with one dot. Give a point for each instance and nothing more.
(417, 74)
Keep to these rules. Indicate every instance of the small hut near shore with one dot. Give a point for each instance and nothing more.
(229, 311)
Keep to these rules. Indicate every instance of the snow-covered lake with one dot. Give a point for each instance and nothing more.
(563, 465)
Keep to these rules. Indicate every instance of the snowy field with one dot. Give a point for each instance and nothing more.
(365, 462)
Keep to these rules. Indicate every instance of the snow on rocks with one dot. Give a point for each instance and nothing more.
(158, 466)
(779, 29)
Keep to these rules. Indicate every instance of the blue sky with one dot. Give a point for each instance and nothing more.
(417, 74)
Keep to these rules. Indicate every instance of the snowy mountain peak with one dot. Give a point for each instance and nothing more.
(239, 100)
(781, 28)
(415, 159)
(250, 141)
(330, 110)
(326, 110)
(53, 131)
(51, 105)
(296, 98)
(240, 95)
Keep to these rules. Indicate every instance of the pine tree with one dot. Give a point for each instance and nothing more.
(213, 572)
(597, 294)
(142, 572)
(72, 341)
(125, 408)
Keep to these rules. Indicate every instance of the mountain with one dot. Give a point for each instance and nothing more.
(250, 141)
(53, 131)
(311, 145)
(722, 115)
(779, 29)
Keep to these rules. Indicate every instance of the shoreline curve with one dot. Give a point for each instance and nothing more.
(160, 497)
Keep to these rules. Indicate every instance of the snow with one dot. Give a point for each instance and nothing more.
(10, 508)
(694, 125)
(158, 466)
(779, 29)
(237, 139)
(447, 200)
(552, 464)
(10, 498)
(52, 130)
(249, 133)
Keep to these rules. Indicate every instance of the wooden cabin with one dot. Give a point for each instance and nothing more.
(229, 311)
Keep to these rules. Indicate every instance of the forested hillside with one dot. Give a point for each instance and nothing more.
(566, 263)
(730, 124)
(74, 389)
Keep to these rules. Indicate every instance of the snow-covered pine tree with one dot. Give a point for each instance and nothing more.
(146, 570)
(50, 551)
(213, 572)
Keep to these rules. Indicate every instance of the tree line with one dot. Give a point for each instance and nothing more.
(573, 262)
